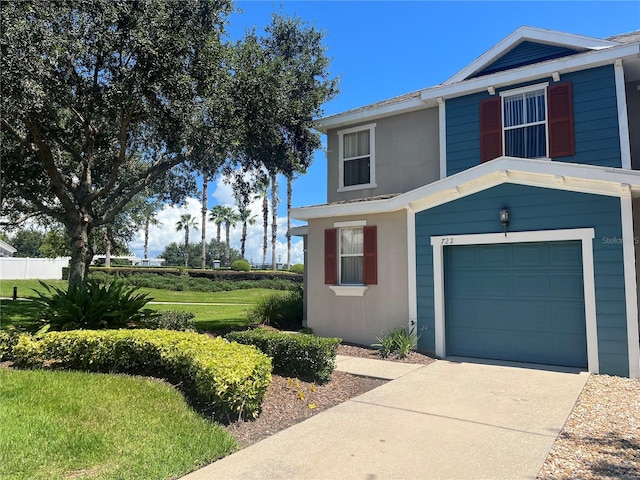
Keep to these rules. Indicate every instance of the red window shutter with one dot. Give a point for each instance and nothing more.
(370, 256)
(490, 129)
(331, 256)
(560, 106)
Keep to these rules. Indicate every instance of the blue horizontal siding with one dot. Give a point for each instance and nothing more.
(534, 208)
(597, 138)
(526, 53)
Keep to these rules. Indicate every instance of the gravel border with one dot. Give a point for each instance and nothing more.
(601, 437)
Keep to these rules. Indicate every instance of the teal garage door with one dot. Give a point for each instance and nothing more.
(522, 302)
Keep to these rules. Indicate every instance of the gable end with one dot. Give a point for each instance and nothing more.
(526, 53)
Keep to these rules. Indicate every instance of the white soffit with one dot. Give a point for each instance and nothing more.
(614, 182)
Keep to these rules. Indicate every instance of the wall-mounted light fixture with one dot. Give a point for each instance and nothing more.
(555, 76)
(504, 219)
(491, 90)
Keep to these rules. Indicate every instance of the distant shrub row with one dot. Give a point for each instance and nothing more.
(181, 282)
(231, 378)
(293, 354)
(216, 275)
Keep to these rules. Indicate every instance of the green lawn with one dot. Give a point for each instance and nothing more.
(79, 425)
(211, 317)
(247, 296)
(207, 317)
(26, 287)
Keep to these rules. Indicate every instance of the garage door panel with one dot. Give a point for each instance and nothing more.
(493, 256)
(566, 286)
(474, 342)
(567, 318)
(520, 302)
(531, 285)
(564, 253)
(526, 255)
(566, 352)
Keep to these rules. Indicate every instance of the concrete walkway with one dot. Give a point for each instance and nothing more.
(447, 420)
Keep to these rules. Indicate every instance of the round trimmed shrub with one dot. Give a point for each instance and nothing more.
(297, 268)
(241, 266)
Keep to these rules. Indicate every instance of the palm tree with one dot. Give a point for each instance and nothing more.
(263, 194)
(186, 222)
(150, 219)
(203, 222)
(230, 220)
(274, 219)
(217, 216)
(298, 169)
(244, 215)
(289, 195)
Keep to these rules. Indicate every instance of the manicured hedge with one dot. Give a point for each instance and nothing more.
(294, 354)
(231, 378)
(217, 275)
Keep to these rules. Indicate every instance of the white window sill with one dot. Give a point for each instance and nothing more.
(357, 187)
(349, 290)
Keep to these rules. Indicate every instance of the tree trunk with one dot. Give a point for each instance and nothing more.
(274, 221)
(289, 195)
(244, 238)
(146, 237)
(203, 252)
(107, 250)
(186, 247)
(81, 253)
(218, 252)
(227, 227)
(265, 220)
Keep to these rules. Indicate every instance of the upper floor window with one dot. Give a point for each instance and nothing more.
(529, 122)
(357, 158)
(525, 123)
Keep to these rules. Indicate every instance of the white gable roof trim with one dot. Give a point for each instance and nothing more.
(428, 97)
(5, 246)
(537, 35)
(615, 182)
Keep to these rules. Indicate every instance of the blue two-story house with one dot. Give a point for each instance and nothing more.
(498, 212)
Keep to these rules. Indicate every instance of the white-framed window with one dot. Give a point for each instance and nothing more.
(357, 158)
(351, 253)
(524, 120)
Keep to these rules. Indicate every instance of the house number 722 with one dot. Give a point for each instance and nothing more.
(447, 241)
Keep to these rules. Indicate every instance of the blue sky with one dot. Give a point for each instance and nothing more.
(381, 49)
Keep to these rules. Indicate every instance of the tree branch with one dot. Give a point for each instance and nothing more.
(122, 137)
(57, 179)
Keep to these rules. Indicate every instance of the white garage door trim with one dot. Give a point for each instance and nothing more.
(585, 235)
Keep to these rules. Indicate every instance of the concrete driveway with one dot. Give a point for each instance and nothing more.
(447, 420)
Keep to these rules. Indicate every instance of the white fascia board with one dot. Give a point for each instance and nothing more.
(523, 34)
(527, 73)
(355, 117)
(557, 175)
(429, 96)
(299, 231)
(7, 247)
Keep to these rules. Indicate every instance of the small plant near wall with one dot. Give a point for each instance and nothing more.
(398, 341)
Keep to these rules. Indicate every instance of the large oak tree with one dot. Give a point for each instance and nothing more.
(104, 99)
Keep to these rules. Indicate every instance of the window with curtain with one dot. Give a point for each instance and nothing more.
(351, 256)
(525, 124)
(356, 150)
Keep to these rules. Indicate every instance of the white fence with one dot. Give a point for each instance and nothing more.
(24, 268)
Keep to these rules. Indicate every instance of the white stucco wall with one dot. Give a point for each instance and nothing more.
(360, 319)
